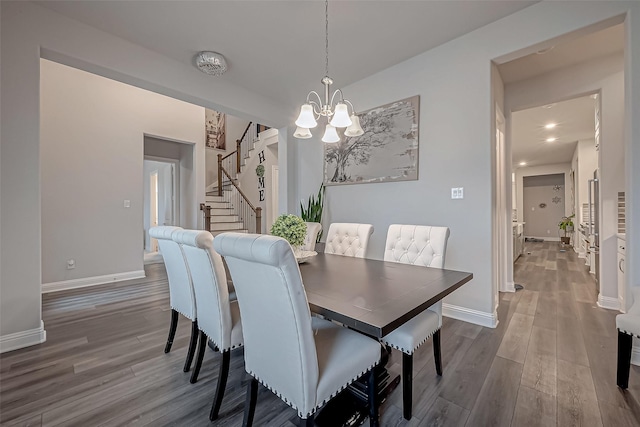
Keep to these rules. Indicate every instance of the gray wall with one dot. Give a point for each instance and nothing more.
(543, 222)
(92, 144)
(454, 83)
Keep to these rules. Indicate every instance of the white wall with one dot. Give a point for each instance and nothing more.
(559, 168)
(606, 76)
(454, 83)
(92, 147)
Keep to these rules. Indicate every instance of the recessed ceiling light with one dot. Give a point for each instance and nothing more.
(523, 163)
(551, 139)
(549, 105)
(550, 125)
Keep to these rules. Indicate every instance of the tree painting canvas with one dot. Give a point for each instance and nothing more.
(387, 151)
(215, 129)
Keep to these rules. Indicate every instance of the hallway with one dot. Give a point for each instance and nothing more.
(570, 360)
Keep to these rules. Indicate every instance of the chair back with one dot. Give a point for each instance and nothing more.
(313, 228)
(209, 284)
(181, 295)
(276, 322)
(348, 239)
(422, 245)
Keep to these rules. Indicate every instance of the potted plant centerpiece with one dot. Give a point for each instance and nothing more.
(313, 211)
(291, 228)
(566, 225)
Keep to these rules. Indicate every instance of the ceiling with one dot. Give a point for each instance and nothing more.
(575, 118)
(276, 48)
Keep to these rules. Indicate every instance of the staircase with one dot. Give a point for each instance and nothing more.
(223, 216)
(226, 208)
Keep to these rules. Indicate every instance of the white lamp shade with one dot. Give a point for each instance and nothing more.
(341, 116)
(302, 133)
(330, 134)
(306, 118)
(355, 129)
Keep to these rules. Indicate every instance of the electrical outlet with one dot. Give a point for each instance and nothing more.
(457, 192)
(71, 264)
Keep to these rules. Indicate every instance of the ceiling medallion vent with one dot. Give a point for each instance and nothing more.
(211, 63)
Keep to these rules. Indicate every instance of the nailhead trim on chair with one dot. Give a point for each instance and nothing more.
(219, 348)
(629, 333)
(313, 411)
(415, 348)
(188, 317)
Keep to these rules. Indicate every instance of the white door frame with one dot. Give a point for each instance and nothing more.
(504, 228)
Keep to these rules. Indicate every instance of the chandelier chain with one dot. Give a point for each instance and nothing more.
(326, 38)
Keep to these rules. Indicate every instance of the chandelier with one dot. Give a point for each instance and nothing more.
(335, 107)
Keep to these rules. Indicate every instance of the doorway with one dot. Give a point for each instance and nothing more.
(161, 201)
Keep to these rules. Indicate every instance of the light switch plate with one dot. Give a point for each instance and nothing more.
(127, 203)
(457, 192)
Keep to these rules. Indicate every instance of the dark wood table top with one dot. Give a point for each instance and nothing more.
(371, 296)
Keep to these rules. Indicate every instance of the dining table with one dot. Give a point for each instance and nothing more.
(374, 297)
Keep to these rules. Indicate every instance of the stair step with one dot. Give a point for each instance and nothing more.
(218, 205)
(211, 197)
(221, 211)
(224, 218)
(215, 233)
(220, 226)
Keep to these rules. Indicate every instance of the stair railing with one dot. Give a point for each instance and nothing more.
(232, 162)
(250, 216)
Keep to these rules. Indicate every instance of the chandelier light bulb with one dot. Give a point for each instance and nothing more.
(302, 133)
(341, 116)
(330, 134)
(306, 118)
(355, 129)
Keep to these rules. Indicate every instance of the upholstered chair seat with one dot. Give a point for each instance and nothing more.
(181, 294)
(313, 229)
(305, 361)
(424, 246)
(219, 318)
(348, 239)
(628, 325)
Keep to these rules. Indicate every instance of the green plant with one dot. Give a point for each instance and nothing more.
(566, 224)
(291, 228)
(313, 212)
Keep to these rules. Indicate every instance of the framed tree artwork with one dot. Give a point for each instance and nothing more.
(387, 151)
(215, 129)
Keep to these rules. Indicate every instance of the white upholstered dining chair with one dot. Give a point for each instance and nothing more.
(218, 317)
(181, 295)
(628, 326)
(313, 229)
(348, 239)
(424, 246)
(305, 361)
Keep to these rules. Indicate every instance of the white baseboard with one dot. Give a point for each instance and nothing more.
(91, 281)
(482, 318)
(23, 339)
(509, 287)
(608, 302)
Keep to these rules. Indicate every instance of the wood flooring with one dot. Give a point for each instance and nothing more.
(551, 361)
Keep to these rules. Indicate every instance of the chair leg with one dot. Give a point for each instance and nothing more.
(222, 384)
(201, 347)
(437, 351)
(172, 330)
(250, 404)
(308, 422)
(625, 342)
(407, 385)
(192, 346)
(372, 386)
